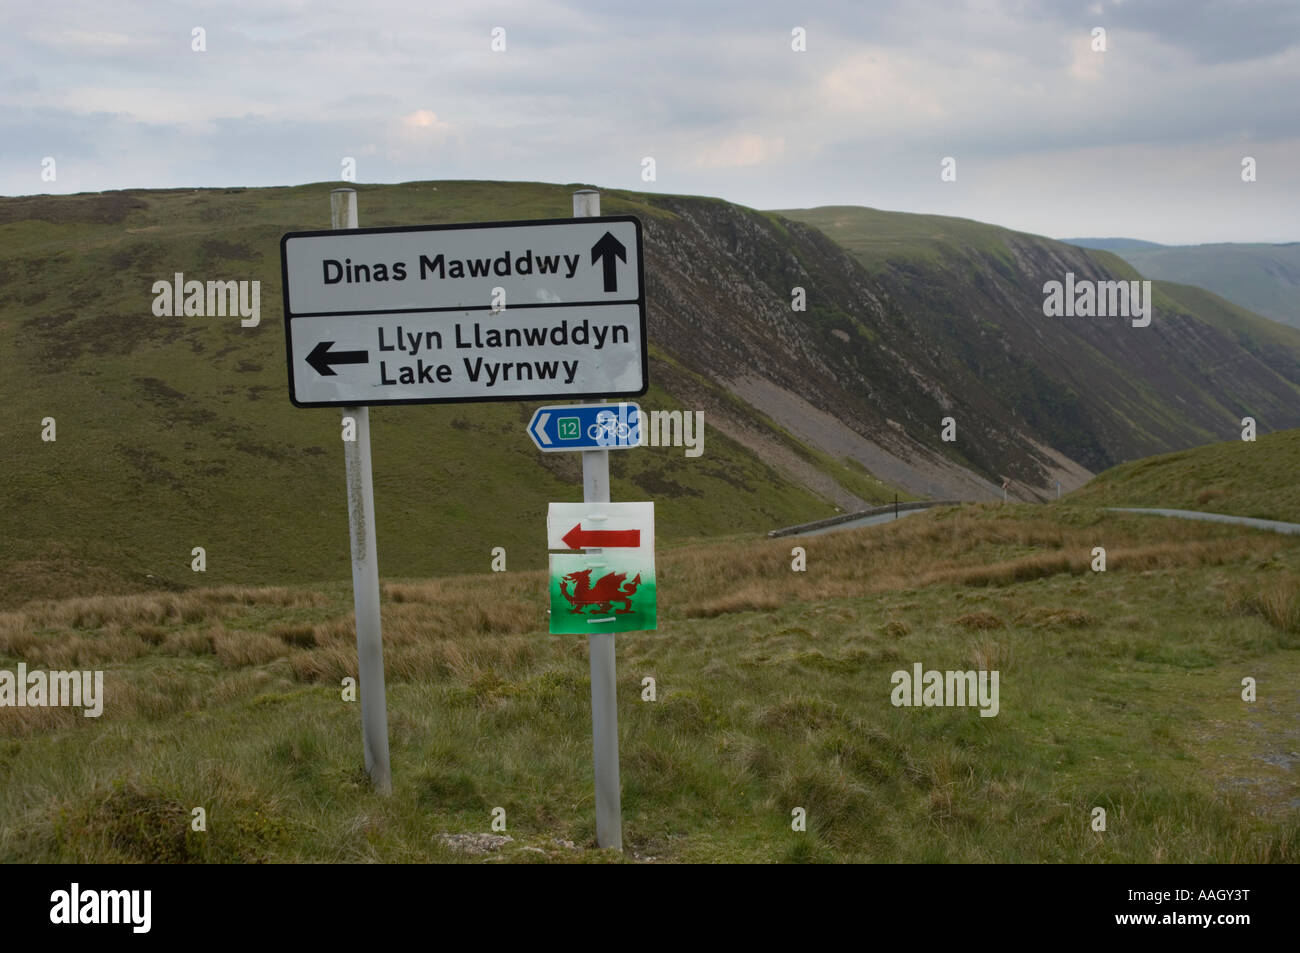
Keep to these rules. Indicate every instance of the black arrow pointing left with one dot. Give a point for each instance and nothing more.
(321, 358)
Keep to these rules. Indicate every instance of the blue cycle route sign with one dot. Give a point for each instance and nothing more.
(586, 427)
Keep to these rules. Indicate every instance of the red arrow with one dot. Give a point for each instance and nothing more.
(579, 538)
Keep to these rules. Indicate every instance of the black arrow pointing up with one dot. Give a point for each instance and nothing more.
(321, 358)
(607, 248)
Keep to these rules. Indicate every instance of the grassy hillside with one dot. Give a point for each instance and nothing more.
(1118, 690)
(1275, 345)
(878, 238)
(1237, 477)
(177, 432)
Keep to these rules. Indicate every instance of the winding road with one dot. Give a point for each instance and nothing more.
(1276, 526)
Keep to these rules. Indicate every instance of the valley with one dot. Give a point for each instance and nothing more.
(168, 421)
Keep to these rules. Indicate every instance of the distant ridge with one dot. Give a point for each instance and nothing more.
(1265, 278)
(1112, 244)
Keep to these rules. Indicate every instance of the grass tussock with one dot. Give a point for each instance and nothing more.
(238, 649)
(982, 619)
(989, 655)
(21, 722)
(187, 642)
(1277, 601)
(1047, 617)
(144, 822)
(754, 597)
(161, 608)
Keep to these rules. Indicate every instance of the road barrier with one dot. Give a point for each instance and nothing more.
(850, 517)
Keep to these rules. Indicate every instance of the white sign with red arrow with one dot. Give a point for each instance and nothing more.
(605, 526)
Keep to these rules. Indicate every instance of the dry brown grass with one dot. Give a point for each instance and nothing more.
(21, 722)
(755, 596)
(1045, 617)
(459, 627)
(464, 659)
(980, 619)
(160, 608)
(965, 549)
(1277, 601)
(16, 636)
(237, 649)
(989, 655)
(188, 642)
(87, 651)
(463, 627)
(298, 635)
(329, 663)
(151, 696)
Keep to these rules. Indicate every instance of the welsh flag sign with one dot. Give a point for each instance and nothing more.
(612, 590)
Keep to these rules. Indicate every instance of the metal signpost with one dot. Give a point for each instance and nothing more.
(365, 563)
(481, 312)
(600, 644)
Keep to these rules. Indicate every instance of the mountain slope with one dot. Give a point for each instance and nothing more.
(1097, 389)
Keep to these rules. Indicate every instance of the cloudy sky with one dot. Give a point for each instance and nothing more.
(1143, 140)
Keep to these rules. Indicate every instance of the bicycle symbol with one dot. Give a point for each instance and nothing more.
(609, 430)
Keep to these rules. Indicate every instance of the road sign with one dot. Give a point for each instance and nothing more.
(563, 519)
(586, 427)
(456, 313)
(613, 590)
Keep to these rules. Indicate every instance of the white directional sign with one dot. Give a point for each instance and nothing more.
(600, 525)
(451, 313)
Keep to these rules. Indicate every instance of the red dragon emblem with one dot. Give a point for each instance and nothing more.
(608, 589)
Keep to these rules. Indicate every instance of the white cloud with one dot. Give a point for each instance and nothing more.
(882, 85)
(424, 120)
(742, 150)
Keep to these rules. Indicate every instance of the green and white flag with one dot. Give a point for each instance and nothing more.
(612, 590)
